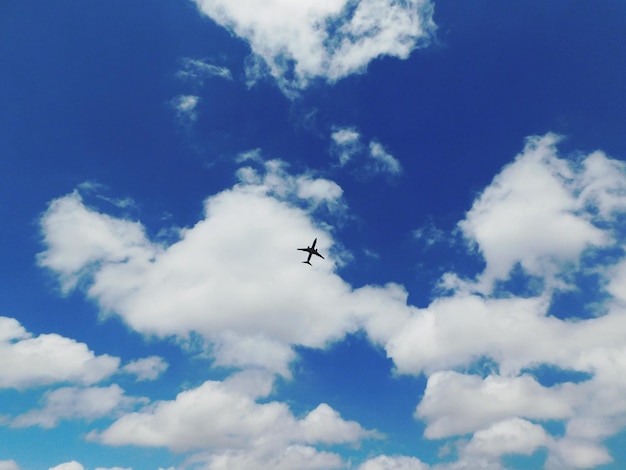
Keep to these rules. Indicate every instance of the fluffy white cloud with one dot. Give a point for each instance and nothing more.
(76, 403)
(330, 39)
(225, 418)
(249, 351)
(73, 465)
(533, 213)
(512, 436)
(114, 468)
(235, 277)
(549, 216)
(459, 330)
(48, 358)
(385, 462)
(289, 458)
(83, 238)
(456, 404)
(147, 368)
(573, 453)
(9, 465)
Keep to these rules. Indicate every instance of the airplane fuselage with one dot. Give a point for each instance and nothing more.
(311, 251)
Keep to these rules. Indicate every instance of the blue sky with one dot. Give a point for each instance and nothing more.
(460, 163)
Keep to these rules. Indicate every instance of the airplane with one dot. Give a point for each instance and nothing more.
(311, 251)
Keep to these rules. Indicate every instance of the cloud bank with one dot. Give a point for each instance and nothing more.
(235, 279)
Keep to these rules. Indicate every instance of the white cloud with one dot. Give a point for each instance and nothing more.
(148, 368)
(457, 404)
(114, 468)
(246, 351)
(385, 462)
(83, 238)
(346, 145)
(76, 403)
(185, 106)
(9, 465)
(345, 136)
(198, 70)
(319, 190)
(235, 277)
(325, 425)
(329, 39)
(512, 436)
(27, 361)
(289, 458)
(382, 161)
(548, 216)
(572, 453)
(225, 419)
(533, 213)
(73, 465)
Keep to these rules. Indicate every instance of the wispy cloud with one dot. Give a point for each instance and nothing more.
(346, 144)
(197, 71)
(382, 161)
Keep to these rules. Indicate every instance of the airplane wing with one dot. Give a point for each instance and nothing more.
(319, 255)
(302, 249)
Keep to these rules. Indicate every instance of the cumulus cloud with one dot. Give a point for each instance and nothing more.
(512, 436)
(292, 456)
(73, 465)
(27, 360)
(547, 217)
(9, 465)
(225, 418)
(76, 403)
(148, 368)
(234, 278)
(538, 211)
(573, 453)
(385, 462)
(114, 468)
(83, 239)
(296, 42)
(457, 404)
(252, 302)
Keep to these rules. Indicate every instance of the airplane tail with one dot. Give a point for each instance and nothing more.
(307, 262)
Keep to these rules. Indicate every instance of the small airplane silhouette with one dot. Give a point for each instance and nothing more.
(311, 251)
